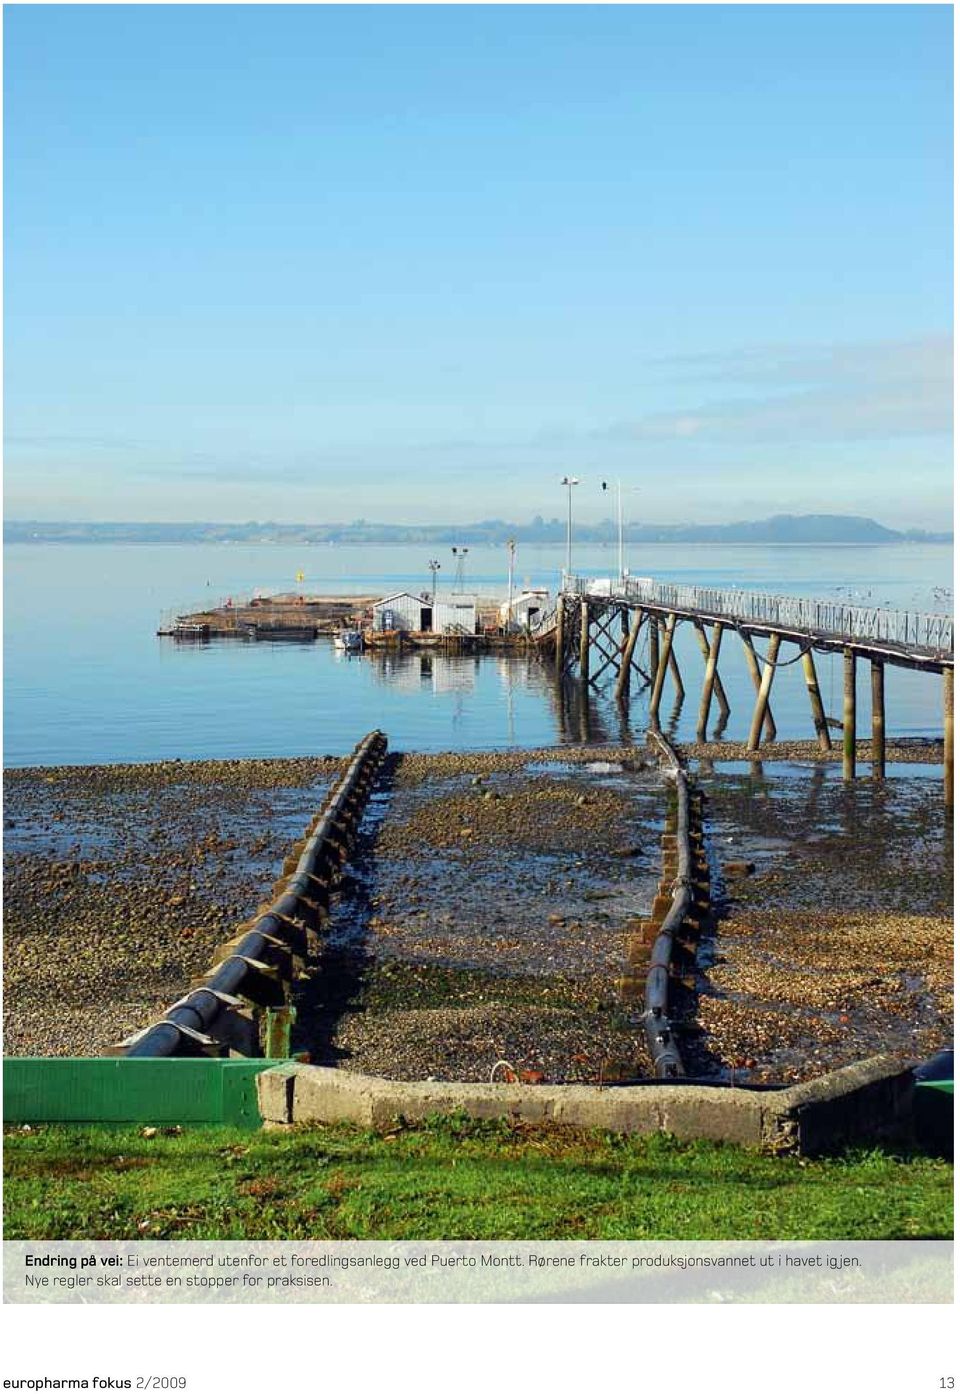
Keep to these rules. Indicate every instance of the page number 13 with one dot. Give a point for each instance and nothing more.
(946, 1382)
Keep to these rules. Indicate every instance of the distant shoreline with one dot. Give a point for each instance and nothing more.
(781, 529)
(486, 547)
(552, 544)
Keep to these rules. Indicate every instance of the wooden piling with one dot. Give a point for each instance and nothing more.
(718, 688)
(849, 714)
(584, 641)
(816, 701)
(677, 679)
(753, 667)
(654, 633)
(878, 720)
(662, 666)
(709, 681)
(763, 691)
(622, 689)
(559, 654)
(948, 736)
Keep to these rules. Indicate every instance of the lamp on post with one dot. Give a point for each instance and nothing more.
(619, 525)
(434, 568)
(460, 556)
(511, 557)
(569, 481)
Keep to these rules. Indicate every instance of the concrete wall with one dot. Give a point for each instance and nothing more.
(863, 1102)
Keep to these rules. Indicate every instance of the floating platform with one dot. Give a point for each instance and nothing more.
(295, 617)
(298, 618)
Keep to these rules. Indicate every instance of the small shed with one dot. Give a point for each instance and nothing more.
(423, 614)
(526, 609)
(454, 614)
(404, 611)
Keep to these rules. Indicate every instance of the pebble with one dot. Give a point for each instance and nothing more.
(118, 886)
(838, 945)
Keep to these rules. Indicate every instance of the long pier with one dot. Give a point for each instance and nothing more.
(598, 625)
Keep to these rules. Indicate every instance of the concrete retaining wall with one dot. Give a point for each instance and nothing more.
(868, 1101)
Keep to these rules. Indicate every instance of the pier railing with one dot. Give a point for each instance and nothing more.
(903, 629)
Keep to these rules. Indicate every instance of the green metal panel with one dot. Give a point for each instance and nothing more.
(238, 1093)
(944, 1085)
(62, 1090)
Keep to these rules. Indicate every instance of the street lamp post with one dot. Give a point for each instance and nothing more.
(569, 480)
(511, 555)
(619, 526)
(460, 555)
(434, 568)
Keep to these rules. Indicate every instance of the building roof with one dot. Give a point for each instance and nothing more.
(399, 595)
(457, 598)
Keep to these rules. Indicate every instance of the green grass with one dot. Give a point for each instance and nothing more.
(453, 1179)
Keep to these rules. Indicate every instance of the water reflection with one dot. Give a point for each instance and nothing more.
(415, 671)
(673, 720)
(87, 680)
(584, 717)
(817, 779)
(721, 725)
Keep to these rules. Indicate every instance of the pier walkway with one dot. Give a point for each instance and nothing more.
(597, 625)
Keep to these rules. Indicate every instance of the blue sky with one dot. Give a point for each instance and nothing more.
(416, 262)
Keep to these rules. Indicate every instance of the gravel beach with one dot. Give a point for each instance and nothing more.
(484, 914)
(835, 936)
(919, 751)
(120, 880)
(488, 920)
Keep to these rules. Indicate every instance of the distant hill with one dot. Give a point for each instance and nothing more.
(782, 529)
(786, 527)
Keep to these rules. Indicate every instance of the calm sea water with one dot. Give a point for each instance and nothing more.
(88, 681)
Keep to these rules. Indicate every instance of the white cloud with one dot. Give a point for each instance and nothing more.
(846, 392)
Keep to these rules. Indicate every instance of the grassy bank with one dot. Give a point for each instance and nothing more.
(453, 1179)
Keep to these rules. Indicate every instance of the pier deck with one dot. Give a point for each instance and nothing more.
(596, 629)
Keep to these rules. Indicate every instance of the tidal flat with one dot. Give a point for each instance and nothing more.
(489, 920)
(483, 916)
(121, 880)
(834, 932)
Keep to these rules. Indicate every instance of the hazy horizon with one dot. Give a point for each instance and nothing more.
(330, 262)
(606, 522)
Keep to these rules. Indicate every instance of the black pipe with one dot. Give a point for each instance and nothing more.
(187, 1027)
(661, 1043)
